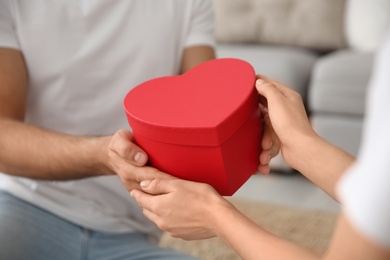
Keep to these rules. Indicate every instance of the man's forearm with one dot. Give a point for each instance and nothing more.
(32, 152)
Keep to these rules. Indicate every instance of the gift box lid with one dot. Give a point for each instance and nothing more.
(204, 106)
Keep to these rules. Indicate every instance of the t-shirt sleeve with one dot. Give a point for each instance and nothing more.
(202, 24)
(365, 189)
(7, 26)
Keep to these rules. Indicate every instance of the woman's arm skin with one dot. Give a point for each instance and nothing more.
(190, 210)
(202, 213)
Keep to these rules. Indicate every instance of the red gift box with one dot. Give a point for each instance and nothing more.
(202, 126)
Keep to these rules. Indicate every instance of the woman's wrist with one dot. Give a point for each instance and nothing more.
(220, 216)
(301, 148)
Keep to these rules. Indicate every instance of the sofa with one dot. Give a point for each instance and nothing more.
(324, 49)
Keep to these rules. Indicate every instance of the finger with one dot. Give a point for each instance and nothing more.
(277, 84)
(264, 157)
(272, 81)
(264, 169)
(275, 149)
(157, 186)
(272, 86)
(268, 135)
(122, 143)
(131, 150)
(151, 204)
(131, 175)
(263, 105)
(267, 90)
(143, 199)
(158, 220)
(152, 217)
(147, 173)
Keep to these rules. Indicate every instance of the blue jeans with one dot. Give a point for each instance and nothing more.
(28, 232)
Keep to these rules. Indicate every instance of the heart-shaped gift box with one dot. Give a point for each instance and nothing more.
(203, 126)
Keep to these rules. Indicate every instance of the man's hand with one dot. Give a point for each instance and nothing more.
(128, 161)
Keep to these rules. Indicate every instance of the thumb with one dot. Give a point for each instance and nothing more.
(123, 144)
(156, 186)
(140, 158)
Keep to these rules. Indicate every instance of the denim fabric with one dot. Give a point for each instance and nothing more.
(30, 233)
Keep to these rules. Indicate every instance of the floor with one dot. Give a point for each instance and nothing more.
(286, 189)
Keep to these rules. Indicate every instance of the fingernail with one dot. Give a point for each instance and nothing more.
(260, 82)
(139, 157)
(131, 194)
(144, 184)
(270, 145)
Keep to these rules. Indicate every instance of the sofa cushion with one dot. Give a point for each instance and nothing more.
(341, 130)
(367, 23)
(316, 24)
(290, 66)
(339, 83)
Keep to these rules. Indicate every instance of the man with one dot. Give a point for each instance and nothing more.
(65, 67)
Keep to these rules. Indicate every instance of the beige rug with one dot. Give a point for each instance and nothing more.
(309, 228)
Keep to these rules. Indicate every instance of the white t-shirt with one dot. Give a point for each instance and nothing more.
(365, 189)
(83, 56)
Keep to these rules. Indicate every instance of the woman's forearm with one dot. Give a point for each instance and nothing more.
(251, 241)
(321, 162)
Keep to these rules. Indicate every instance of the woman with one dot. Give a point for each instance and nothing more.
(361, 185)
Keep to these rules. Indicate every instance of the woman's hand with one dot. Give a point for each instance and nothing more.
(285, 119)
(182, 208)
(269, 143)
